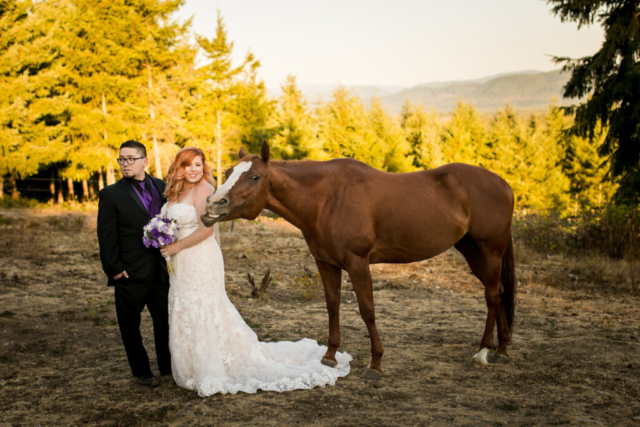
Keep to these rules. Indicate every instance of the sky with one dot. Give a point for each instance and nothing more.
(388, 43)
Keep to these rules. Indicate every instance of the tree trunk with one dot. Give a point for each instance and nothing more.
(111, 176)
(600, 195)
(60, 196)
(15, 194)
(100, 181)
(92, 195)
(52, 186)
(152, 115)
(219, 152)
(72, 194)
(111, 179)
(85, 191)
(1, 186)
(156, 154)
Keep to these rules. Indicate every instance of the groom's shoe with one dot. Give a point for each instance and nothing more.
(147, 380)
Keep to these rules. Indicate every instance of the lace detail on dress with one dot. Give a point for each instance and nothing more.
(213, 350)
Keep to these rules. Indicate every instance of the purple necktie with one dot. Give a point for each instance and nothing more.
(148, 201)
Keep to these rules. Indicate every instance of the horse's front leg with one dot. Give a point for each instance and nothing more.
(331, 280)
(358, 269)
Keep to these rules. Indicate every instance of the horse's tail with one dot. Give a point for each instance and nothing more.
(509, 283)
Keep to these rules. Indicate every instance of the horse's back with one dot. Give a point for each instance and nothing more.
(488, 197)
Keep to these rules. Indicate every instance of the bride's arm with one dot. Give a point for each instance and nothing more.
(200, 194)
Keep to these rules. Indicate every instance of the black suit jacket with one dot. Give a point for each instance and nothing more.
(121, 218)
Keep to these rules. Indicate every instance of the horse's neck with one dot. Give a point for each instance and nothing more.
(293, 193)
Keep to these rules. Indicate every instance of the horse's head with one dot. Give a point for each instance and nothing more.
(244, 193)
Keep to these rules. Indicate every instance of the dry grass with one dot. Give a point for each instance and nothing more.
(574, 354)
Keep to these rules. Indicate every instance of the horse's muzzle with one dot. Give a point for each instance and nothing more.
(209, 219)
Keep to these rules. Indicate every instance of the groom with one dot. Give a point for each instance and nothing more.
(139, 274)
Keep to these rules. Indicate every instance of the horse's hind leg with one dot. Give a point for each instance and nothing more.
(358, 269)
(486, 264)
(331, 277)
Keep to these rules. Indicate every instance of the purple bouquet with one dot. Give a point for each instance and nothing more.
(160, 231)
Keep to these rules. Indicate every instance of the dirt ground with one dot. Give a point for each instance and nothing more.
(575, 354)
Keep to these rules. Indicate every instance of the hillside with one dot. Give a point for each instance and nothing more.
(522, 91)
(530, 90)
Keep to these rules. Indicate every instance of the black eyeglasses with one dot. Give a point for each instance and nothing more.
(128, 160)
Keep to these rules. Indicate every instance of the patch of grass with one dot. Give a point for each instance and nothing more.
(60, 351)
(66, 315)
(308, 287)
(595, 272)
(44, 315)
(507, 406)
(251, 323)
(5, 358)
(18, 203)
(7, 313)
(4, 220)
(69, 222)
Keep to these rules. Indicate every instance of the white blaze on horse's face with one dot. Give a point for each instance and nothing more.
(238, 170)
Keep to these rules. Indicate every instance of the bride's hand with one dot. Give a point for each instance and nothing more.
(167, 251)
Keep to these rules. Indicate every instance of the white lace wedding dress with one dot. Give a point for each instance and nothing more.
(213, 350)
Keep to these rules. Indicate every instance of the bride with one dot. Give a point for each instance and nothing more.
(212, 349)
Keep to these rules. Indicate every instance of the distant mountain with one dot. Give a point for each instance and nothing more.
(480, 80)
(324, 92)
(530, 90)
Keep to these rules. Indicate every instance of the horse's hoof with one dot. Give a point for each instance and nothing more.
(477, 364)
(328, 362)
(371, 374)
(499, 359)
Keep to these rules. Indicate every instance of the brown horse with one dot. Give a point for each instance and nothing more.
(352, 215)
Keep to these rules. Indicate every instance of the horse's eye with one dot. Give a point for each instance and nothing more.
(255, 177)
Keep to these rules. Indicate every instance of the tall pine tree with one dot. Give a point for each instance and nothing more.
(611, 80)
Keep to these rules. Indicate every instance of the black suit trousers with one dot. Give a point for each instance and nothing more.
(131, 298)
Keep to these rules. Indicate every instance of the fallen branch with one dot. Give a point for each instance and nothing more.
(258, 292)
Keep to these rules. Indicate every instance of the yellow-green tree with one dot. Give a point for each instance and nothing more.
(295, 135)
(343, 130)
(227, 106)
(583, 166)
(32, 107)
(422, 130)
(395, 149)
(463, 136)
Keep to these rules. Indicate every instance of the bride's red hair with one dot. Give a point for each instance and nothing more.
(176, 174)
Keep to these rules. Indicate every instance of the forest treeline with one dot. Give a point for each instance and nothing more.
(79, 77)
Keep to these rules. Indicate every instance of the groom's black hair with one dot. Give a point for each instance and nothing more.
(135, 144)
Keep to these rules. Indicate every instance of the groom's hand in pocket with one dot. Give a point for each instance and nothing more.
(124, 273)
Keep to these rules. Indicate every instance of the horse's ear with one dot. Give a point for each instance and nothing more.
(241, 153)
(264, 151)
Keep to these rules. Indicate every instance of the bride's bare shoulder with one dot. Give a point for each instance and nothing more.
(203, 189)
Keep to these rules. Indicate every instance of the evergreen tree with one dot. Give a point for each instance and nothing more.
(423, 132)
(463, 136)
(120, 61)
(396, 150)
(228, 106)
(295, 136)
(343, 130)
(546, 184)
(610, 78)
(581, 164)
(32, 106)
